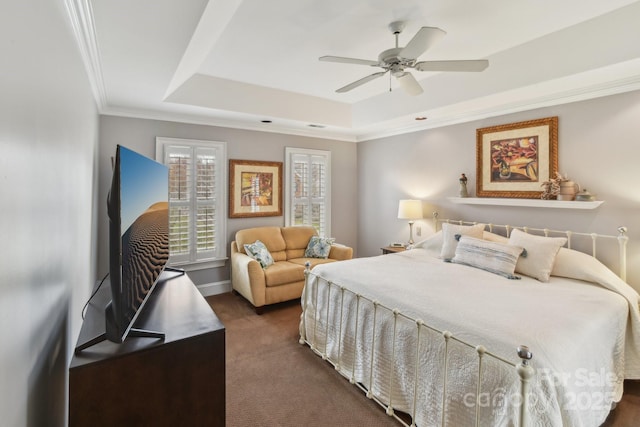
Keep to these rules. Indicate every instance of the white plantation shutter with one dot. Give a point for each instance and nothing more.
(196, 199)
(308, 194)
(180, 164)
(205, 201)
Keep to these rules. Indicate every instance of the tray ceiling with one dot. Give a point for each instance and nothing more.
(237, 63)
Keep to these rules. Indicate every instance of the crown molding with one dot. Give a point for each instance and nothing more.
(82, 23)
(613, 87)
(169, 116)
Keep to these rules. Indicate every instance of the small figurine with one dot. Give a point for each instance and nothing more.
(463, 186)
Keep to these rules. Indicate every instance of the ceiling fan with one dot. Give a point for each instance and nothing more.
(396, 60)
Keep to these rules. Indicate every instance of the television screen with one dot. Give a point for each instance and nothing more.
(138, 210)
(139, 236)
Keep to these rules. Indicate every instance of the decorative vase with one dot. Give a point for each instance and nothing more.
(568, 190)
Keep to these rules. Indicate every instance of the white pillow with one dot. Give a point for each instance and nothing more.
(540, 254)
(498, 258)
(449, 241)
(493, 237)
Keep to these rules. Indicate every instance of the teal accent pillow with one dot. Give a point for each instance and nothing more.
(258, 251)
(319, 247)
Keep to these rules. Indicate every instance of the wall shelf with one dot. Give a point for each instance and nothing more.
(531, 203)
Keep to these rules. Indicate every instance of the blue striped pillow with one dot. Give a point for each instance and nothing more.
(498, 258)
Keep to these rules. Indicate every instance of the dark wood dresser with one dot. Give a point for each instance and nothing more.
(147, 381)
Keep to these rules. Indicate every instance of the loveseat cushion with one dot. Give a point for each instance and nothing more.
(312, 261)
(270, 236)
(283, 272)
(296, 239)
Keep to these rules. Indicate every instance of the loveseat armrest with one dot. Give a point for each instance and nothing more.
(247, 277)
(340, 252)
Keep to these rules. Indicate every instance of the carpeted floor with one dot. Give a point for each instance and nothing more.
(274, 381)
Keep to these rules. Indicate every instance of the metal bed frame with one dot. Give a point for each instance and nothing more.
(523, 369)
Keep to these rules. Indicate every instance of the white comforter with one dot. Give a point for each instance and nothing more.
(576, 330)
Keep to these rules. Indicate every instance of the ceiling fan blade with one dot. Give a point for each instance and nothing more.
(423, 40)
(348, 60)
(409, 84)
(470, 65)
(362, 81)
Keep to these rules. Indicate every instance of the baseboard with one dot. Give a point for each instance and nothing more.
(208, 289)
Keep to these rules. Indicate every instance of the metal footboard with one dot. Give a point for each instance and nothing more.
(318, 337)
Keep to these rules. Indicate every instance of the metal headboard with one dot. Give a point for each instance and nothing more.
(621, 237)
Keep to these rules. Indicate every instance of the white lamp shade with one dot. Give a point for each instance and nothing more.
(410, 209)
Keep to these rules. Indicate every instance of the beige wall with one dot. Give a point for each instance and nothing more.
(599, 147)
(140, 134)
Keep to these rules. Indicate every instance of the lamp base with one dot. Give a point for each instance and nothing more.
(411, 232)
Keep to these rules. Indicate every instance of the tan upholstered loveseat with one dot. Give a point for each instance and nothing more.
(284, 279)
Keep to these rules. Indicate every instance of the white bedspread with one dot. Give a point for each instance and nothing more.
(576, 330)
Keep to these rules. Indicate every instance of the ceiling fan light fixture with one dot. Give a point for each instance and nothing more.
(396, 60)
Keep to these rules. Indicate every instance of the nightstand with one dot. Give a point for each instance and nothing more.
(392, 249)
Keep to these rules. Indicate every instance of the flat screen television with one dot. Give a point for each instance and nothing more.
(138, 210)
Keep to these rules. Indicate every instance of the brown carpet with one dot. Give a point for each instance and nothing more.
(272, 380)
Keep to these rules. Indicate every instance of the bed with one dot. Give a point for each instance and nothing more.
(454, 343)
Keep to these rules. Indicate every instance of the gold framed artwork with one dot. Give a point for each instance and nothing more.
(513, 160)
(255, 188)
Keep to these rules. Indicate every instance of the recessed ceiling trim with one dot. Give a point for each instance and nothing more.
(212, 24)
(259, 73)
(253, 124)
(436, 119)
(468, 115)
(221, 94)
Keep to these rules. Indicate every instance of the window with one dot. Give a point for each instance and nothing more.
(308, 189)
(197, 200)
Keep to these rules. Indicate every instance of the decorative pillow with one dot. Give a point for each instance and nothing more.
(541, 253)
(258, 251)
(449, 241)
(498, 258)
(493, 237)
(319, 247)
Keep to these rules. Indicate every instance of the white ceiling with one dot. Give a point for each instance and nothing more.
(235, 63)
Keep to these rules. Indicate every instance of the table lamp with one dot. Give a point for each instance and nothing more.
(411, 210)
